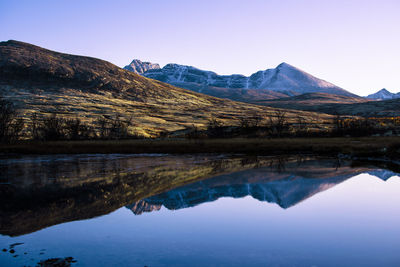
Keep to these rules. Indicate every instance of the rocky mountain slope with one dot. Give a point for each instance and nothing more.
(140, 67)
(41, 81)
(383, 94)
(284, 80)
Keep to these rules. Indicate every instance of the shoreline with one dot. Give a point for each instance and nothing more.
(376, 147)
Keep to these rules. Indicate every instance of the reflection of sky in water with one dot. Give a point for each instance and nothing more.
(356, 223)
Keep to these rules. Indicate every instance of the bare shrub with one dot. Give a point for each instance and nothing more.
(279, 123)
(193, 132)
(252, 121)
(215, 128)
(52, 128)
(115, 128)
(10, 125)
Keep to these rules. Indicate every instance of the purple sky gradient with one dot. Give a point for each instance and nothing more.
(353, 44)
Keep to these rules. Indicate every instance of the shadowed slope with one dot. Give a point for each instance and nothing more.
(333, 104)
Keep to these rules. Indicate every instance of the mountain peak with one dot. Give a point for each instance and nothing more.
(384, 90)
(139, 67)
(284, 64)
(383, 94)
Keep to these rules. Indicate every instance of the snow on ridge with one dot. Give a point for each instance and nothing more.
(383, 94)
(284, 77)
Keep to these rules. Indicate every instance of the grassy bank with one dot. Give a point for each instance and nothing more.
(363, 147)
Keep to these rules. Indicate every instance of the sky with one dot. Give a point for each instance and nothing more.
(353, 44)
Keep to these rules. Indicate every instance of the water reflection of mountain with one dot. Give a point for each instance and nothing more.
(285, 188)
(382, 174)
(39, 192)
(285, 192)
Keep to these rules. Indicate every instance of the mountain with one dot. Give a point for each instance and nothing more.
(286, 80)
(383, 94)
(140, 67)
(41, 81)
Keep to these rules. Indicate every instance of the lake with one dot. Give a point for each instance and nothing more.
(198, 210)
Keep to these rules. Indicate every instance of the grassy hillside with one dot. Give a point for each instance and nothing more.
(41, 81)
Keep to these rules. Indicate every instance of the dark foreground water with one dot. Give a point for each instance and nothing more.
(198, 211)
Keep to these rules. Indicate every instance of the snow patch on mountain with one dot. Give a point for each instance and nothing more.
(284, 78)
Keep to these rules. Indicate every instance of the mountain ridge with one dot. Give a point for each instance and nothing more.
(285, 79)
(383, 94)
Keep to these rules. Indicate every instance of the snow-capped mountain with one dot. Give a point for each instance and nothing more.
(140, 67)
(383, 94)
(284, 78)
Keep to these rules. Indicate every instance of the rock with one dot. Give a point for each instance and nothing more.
(57, 262)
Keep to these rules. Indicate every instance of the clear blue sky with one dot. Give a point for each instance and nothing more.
(353, 44)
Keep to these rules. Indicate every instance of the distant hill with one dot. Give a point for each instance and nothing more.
(282, 81)
(44, 81)
(333, 104)
(321, 98)
(383, 94)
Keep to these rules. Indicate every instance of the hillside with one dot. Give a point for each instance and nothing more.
(41, 81)
(334, 104)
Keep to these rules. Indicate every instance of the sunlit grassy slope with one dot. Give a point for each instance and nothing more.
(44, 81)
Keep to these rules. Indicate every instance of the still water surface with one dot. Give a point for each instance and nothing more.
(198, 211)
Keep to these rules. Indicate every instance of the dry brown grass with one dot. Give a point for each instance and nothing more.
(149, 117)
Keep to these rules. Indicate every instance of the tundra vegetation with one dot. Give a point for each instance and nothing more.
(55, 127)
